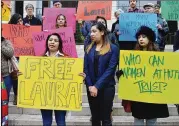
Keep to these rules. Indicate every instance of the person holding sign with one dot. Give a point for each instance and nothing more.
(57, 4)
(54, 48)
(61, 21)
(148, 111)
(162, 26)
(16, 19)
(100, 61)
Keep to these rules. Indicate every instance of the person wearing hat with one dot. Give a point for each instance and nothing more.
(57, 4)
(157, 8)
(162, 25)
(133, 8)
(30, 18)
(147, 111)
(149, 8)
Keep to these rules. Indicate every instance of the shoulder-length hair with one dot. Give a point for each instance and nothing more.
(14, 19)
(60, 47)
(65, 25)
(150, 47)
(106, 42)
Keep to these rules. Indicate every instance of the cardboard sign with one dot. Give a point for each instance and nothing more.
(6, 10)
(50, 83)
(129, 23)
(21, 38)
(69, 46)
(151, 77)
(88, 10)
(51, 15)
(170, 10)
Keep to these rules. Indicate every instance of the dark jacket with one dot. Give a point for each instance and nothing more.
(85, 30)
(115, 28)
(32, 20)
(176, 41)
(162, 33)
(136, 10)
(106, 68)
(149, 111)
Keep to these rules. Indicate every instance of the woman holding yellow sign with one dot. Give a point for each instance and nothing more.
(54, 48)
(147, 111)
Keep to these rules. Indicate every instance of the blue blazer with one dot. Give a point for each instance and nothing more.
(106, 68)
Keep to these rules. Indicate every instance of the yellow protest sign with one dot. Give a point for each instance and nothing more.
(50, 83)
(151, 77)
(6, 11)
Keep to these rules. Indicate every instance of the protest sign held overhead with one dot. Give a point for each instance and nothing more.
(129, 23)
(170, 10)
(88, 10)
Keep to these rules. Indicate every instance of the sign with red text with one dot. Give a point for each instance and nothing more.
(88, 10)
(51, 15)
(21, 37)
(69, 46)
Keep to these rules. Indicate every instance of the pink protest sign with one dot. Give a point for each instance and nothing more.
(51, 14)
(66, 33)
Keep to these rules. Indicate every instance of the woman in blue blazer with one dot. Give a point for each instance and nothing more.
(100, 61)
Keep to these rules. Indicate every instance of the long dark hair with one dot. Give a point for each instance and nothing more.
(150, 34)
(65, 25)
(106, 42)
(60, 47)
(100, 17)
(150, 47)
(14, 19)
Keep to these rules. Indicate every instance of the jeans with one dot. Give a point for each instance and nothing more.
(101, 106)
(8, 83)
(149, 122)
(47, 117)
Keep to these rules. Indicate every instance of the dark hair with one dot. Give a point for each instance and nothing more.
(150, 35)
(100, 17)
(60, 47)
(2, 38)
(106, 45)
(130, 1)
(14, 19)
(65, 25)
(56, 1)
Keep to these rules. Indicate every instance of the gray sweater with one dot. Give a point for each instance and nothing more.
(7, 51)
